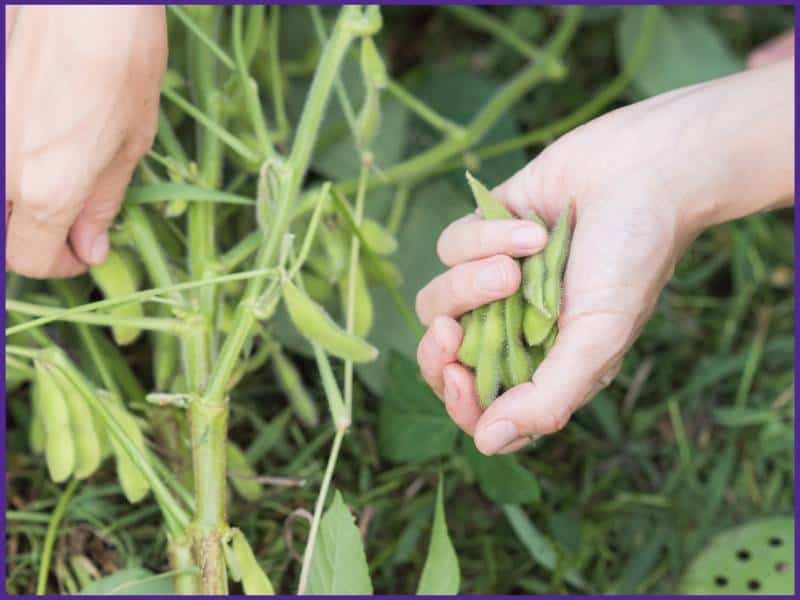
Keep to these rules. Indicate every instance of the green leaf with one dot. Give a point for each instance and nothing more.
(134, 581)
(501, 477)
(339, 565)
(685, 50)
(440, 574)
(536, 543)
(414, 425)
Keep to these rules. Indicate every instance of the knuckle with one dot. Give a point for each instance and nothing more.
(420, 304)
(555, 421)
(46, 208)
(510, 271)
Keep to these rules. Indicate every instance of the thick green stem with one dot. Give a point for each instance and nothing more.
(185, 580)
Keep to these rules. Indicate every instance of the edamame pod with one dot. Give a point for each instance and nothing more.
(364, 311)
(314, 323)
(490, 207)
(292, 385)
(536, 325)
(550, 339)
(36, 435)
(59, 445)
(472, 325)
(242, 475)
(117, 277)
(133, 482)
(368, 121)
(254, 581)
(337, 249)
(555, 258)
(519, 367)
(88, 453)
(378, 238)
(319, 289)
(487, 374)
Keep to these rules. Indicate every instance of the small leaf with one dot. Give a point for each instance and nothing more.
(501, 477)
(339, 565)
(414, 425)
(134, 581)
(441, 574)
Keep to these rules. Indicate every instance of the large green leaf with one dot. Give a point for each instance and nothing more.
(339, 565)
(685, 50)
(441, 574)
(133, 581)
(501, 477)
(414, 426)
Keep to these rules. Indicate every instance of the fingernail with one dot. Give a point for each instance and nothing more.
(498, 435)
(492, 278)
(99, 249)
(527, 238)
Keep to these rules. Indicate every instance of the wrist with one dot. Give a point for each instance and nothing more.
(741, 146)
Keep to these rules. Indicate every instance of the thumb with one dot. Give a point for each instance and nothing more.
(89, 233)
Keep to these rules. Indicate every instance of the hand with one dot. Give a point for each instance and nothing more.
(775, 50)
(82, 87)
(646, 180)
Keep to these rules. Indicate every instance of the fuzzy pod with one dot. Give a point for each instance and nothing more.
(337, 248)
(131, 478)
(118, 277)
(314, 323)
(488, 371)
(36, 434)
(242, 475)
(555, 259)
(292, 385)
(536, 325)
(472, 325)
(88, 447)
(490, 207)
(59, 443)
(377, 238)
(516, 355)
(317, 287)
(364, 310)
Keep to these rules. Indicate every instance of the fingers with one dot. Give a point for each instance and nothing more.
(584, 358)
(473, 238)
(437, 349)
(89, 233)
(468, 286)
(773, 51)
(437, 356)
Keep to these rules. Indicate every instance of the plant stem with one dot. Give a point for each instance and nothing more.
(318, 508)
(422, 110)
(50, 536)
(202, 36)
(149, 323)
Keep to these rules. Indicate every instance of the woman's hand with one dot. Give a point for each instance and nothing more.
(82, 89)
(646, 180)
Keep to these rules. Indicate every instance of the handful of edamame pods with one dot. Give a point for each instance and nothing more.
(505, 340)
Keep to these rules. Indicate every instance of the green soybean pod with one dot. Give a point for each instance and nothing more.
(377, 237)
(550, 339)
(368, 121)
(490, 207)
(536, 325)
(36, 435)
(117, 277)
(336, 248)
(88, 451)
(472, 325)
(292, 385)
(555, 258)
(241, 474)
(59, 445)
(315, 323)
(519, 367)
(488, 370)
(533, 279)
(364, 311)
(537, 356)
(254, 581)
(133, 482)
(317, 287)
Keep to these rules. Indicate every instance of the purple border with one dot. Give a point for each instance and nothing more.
(398, 2)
